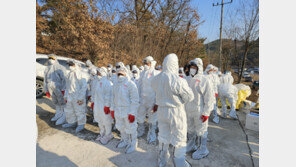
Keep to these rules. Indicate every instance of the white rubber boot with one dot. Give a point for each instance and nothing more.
(202, 151)
(163, 155)
(132, 143)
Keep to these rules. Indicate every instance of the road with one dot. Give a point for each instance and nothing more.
(56, 146)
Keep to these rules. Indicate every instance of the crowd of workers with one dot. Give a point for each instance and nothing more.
(175, 101)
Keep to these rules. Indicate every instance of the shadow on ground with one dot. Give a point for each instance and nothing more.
(46, 158)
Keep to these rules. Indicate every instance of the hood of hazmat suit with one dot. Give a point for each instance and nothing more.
(226, 78)
(209, 67)
(135, 68)
(171, 90)
(119, 65)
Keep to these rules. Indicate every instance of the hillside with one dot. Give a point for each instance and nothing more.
(253, 54)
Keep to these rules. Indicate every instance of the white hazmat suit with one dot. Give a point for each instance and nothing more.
(200, 107)
(215, 80)
(147, 101)
(102, 102)
(75, 93)
(226, 78)
(229, 92)
(125, 103)
(54, 85)
(172, 92)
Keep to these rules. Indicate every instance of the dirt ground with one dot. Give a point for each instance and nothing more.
(229, 144)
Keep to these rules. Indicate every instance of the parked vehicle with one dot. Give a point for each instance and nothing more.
(255, 85)
(246, 74)
(248, 79)
(41, 63)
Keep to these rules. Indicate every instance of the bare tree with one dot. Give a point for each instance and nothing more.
(250, 29)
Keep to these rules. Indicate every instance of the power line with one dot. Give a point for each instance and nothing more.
(221, 27)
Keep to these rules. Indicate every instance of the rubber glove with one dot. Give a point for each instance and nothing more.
(63, 92)
(106, 110)
(131, 118)
(47, 94)
(216, 95)
(112, 114)
(88, 97)
(204, 118)
(155, 108)
(92, 106)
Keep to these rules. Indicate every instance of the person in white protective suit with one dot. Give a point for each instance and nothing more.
(216, 70)
(199, 110)
(109, 70)
(181, 72)
(129, 71)
(75, 93)
(113, 77)
(172, 92)
(89, 65)
(124, 106)
(141, 68)
(229, 92)
(159, 68)
(147, 100)
(215, 80)
(101, 98)
(92, 85)
(226, 78)
(54, 86)
(136, 74)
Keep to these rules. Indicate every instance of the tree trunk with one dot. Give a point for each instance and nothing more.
(244, 60)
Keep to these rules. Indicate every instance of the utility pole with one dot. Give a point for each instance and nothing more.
(221, 28)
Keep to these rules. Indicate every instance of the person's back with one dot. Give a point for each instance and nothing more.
(172, 92)
(226, 78)
(166, 87)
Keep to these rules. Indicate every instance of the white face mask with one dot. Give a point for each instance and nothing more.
(146, 67)
(135, 75)
(50, 62)
(72, 68)
(192, 71)
(121, 78)
(109, 69)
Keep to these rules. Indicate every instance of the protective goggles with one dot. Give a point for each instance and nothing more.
(192, 64)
